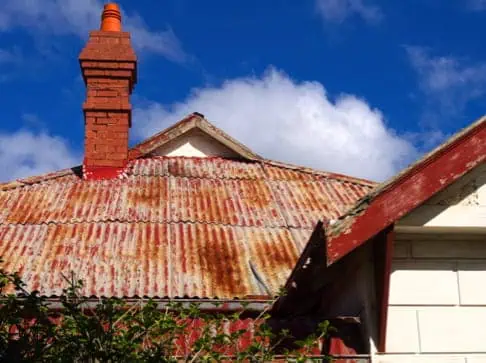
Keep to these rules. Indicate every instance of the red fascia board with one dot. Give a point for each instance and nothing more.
(410, 190)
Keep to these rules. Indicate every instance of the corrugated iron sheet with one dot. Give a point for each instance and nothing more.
(303, 203)
(212, 168)
(172, 227)
(196, 190)
(151, 259)
(130, 200)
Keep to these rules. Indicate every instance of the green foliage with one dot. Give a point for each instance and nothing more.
(112, 330)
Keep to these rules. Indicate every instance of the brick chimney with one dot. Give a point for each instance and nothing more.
(109, 68)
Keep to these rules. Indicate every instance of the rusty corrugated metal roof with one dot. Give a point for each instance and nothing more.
(172, 227)
(151, 259)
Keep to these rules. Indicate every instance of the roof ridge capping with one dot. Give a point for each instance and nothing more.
(193, 121)
(326, 174)
(17, 183)
(419, 181)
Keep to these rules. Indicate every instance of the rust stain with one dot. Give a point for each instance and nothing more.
(172, 227)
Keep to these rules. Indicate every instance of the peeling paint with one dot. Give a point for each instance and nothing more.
(404, 192)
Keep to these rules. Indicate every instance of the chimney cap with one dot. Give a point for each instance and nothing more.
(111, 18)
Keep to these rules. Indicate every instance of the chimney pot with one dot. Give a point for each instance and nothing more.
(111, 18)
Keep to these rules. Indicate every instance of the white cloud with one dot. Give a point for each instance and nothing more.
(292, 121)
(448, 82)
(26, 153)
(9, 56)
(477, 5)
(337, 11)
(75, 17)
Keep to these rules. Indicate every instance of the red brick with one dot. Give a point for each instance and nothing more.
(117, 114)
(107, 93)
(116, 156)
(99, 155)
(130, 66)
(102, 120)
(118, 73)
(90, 134)
(88, 161)
(118, 128)
(116, 142)
(103, 136)
(106, 148)
(108, 40)
(96, 114)
(94, 72)
(107, 162)
(109, 69)
(121, 134)
(89, 64)
(100, 128)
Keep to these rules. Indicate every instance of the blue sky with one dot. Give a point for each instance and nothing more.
(361, 87)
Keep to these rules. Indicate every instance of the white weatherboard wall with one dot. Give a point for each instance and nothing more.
(437, 302)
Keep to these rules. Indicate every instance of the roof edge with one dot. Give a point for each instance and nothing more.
(17, 183)
(418, 182)
(326, 174)
(424, 160)
(190, 122)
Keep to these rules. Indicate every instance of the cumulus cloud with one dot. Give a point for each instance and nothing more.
(337, 11)
(450, 83)
(477, 5)
(75, 17)
(8, 56)
(25, 153)
(291, 121)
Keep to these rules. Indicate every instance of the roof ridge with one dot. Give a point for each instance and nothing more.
(387, 184)
(57, 223)
(213, 157)
(22, 182)
(279, 164)
(76, 170)
(327, 174)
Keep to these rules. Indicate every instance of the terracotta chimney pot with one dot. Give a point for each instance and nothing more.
(111, 18)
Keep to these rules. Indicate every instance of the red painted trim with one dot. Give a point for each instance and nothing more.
(389, 237)
(413, 188)
(102, 172)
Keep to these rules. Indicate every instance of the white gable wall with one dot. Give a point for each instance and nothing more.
(195, 143)
(437, 302)
(463, 204)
